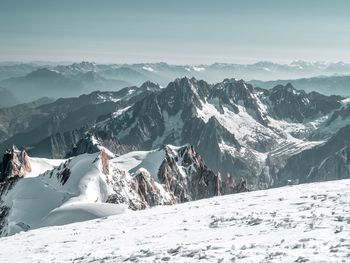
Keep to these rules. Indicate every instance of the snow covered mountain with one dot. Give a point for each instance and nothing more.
(304, 223)
(36, 192)
(149, 146)
(232, 125)
(65, 194)
(50, 130)
(239, 130)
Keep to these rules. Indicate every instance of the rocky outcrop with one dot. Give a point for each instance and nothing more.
(174, 180)
(139, 191)
(232, 92)
(185, 175)
(287, 103)
(147, 190)
(51, 129)
(15, 163)
(5, 187)
(91, 143)
(83, 145)
(182, 176)
(104, 162)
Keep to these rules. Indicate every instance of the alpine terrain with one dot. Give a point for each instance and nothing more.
(99, 154)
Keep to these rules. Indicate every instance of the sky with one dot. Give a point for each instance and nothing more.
(177, 32)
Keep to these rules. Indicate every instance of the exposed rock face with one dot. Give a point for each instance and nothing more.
(182, 176)
(104, 162)
(15, 163)
(147, 190)
(138, 192)
(232, 93)
(193, 181)
(64, 173)
(174, 180)
(5, 187)
(84, 145)
(124, 191)
(51, 129)
(286, 103)
(91, 143)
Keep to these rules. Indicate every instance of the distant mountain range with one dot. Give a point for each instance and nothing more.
(329, 85)
(51, 83)
(28, 82)
(263, 70)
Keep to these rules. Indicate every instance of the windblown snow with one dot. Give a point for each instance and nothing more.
(304, 223)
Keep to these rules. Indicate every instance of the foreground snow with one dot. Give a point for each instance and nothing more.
(290, 224)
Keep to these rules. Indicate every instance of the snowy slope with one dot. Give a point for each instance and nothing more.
(148, 160)
(133, 161)
(41, 165)
(91, 186)
(304, 223)
(70, 192)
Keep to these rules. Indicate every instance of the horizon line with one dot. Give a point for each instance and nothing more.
(169, 63)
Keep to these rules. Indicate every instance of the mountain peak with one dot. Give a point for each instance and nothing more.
(15, 163)
(150, 86)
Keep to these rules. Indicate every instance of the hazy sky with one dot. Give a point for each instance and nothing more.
(179, 31)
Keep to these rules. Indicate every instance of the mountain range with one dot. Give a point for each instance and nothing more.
(151, 145)
(328, 85)
(29, 82)
(238, 129)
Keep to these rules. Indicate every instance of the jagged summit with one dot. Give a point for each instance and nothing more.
(15, 163)
(150, 86)
(299, 106)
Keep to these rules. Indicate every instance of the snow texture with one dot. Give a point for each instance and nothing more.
(304, 223)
